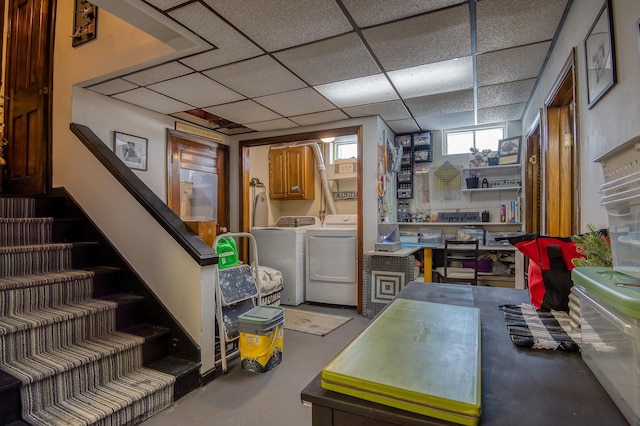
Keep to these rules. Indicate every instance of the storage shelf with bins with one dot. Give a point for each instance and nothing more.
(404, 176)
(422, 148)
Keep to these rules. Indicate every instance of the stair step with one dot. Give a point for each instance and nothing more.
(66, 230)
(11, 405)
(129, 311)
(187, 374)
(105, 280)
(156, 341)
(83, 254)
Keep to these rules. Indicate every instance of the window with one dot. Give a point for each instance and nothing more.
(344, 148)
(459, 141)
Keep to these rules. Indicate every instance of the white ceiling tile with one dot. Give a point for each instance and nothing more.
(217, 57)
(335, 59)
(505, 93)
(279, 24)
(390, 110)
(159, 73)
(501, 113)
(148, 99)
(442, 103)
(243, 112)
(165, 4)
(256, 77)
(451, 120)
(112, 87)
(358, 91)
(196, 90)
(506, 23)
(263, 126)
(517, 63)
(433, 37)
(296, 102)
(372, 12)
(231, 45)
(438, 77)
(319, 117)
(403, 126)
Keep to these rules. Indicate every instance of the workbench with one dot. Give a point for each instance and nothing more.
(519, 386)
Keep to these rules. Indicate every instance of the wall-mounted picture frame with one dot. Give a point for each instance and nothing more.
(132, 150)
(599, 49)
(85, 22)
(509, 150)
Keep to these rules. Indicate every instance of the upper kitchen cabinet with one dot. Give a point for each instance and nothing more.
(291, 173)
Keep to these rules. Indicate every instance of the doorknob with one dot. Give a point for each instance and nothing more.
(533, 159)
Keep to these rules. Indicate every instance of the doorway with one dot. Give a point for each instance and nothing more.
(197, 179)
(554, 203)
(28, 76)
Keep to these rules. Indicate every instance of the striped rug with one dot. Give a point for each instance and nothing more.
(75, 368)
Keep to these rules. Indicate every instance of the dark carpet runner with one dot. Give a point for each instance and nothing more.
(75, 368)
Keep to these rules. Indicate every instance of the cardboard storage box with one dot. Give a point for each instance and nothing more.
(610, 325)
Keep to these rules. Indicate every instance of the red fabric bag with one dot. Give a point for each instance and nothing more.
(549, 269)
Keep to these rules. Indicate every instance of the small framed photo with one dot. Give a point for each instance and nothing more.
(509, 150)
(132, 150)
(600, 56)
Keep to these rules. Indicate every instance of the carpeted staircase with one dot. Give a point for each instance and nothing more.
(73, 366)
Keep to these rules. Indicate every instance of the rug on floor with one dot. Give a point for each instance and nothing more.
(312, 322)
(531, 328)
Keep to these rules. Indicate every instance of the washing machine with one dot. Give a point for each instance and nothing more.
(332, 261)
(283, 247)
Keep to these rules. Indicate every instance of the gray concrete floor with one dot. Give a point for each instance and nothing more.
(242, 398)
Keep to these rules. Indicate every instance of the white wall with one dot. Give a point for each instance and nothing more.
(614, 119)
(180, 283)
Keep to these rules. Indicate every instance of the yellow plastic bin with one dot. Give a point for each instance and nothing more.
(261, 338)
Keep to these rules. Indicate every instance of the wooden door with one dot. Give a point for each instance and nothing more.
(560, 194)
(198, 177)
(277, 173)
(28, 77)
(533, 179)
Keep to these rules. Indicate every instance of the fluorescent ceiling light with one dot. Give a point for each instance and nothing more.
(358, 91)
(430, 79)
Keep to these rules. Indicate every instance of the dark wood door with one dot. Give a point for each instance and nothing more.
(28, 77)
(198, 176)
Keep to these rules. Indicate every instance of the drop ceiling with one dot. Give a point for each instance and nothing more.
(281, 64)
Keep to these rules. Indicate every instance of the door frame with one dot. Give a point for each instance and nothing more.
(568, 71)
(244, 188)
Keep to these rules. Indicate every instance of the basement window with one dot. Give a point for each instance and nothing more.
(459, 141)
(344, 148)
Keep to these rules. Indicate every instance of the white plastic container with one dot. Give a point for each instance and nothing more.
(621, 199)
(611, 349)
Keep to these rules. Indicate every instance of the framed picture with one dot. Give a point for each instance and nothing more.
(85, 22)
(600, 56)
(132, 150)
(509, 150)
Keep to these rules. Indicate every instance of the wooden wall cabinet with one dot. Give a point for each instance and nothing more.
(291, 173)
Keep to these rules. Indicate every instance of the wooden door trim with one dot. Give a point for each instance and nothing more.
(244, 177)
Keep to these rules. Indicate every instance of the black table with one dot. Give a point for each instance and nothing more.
(519, 386)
